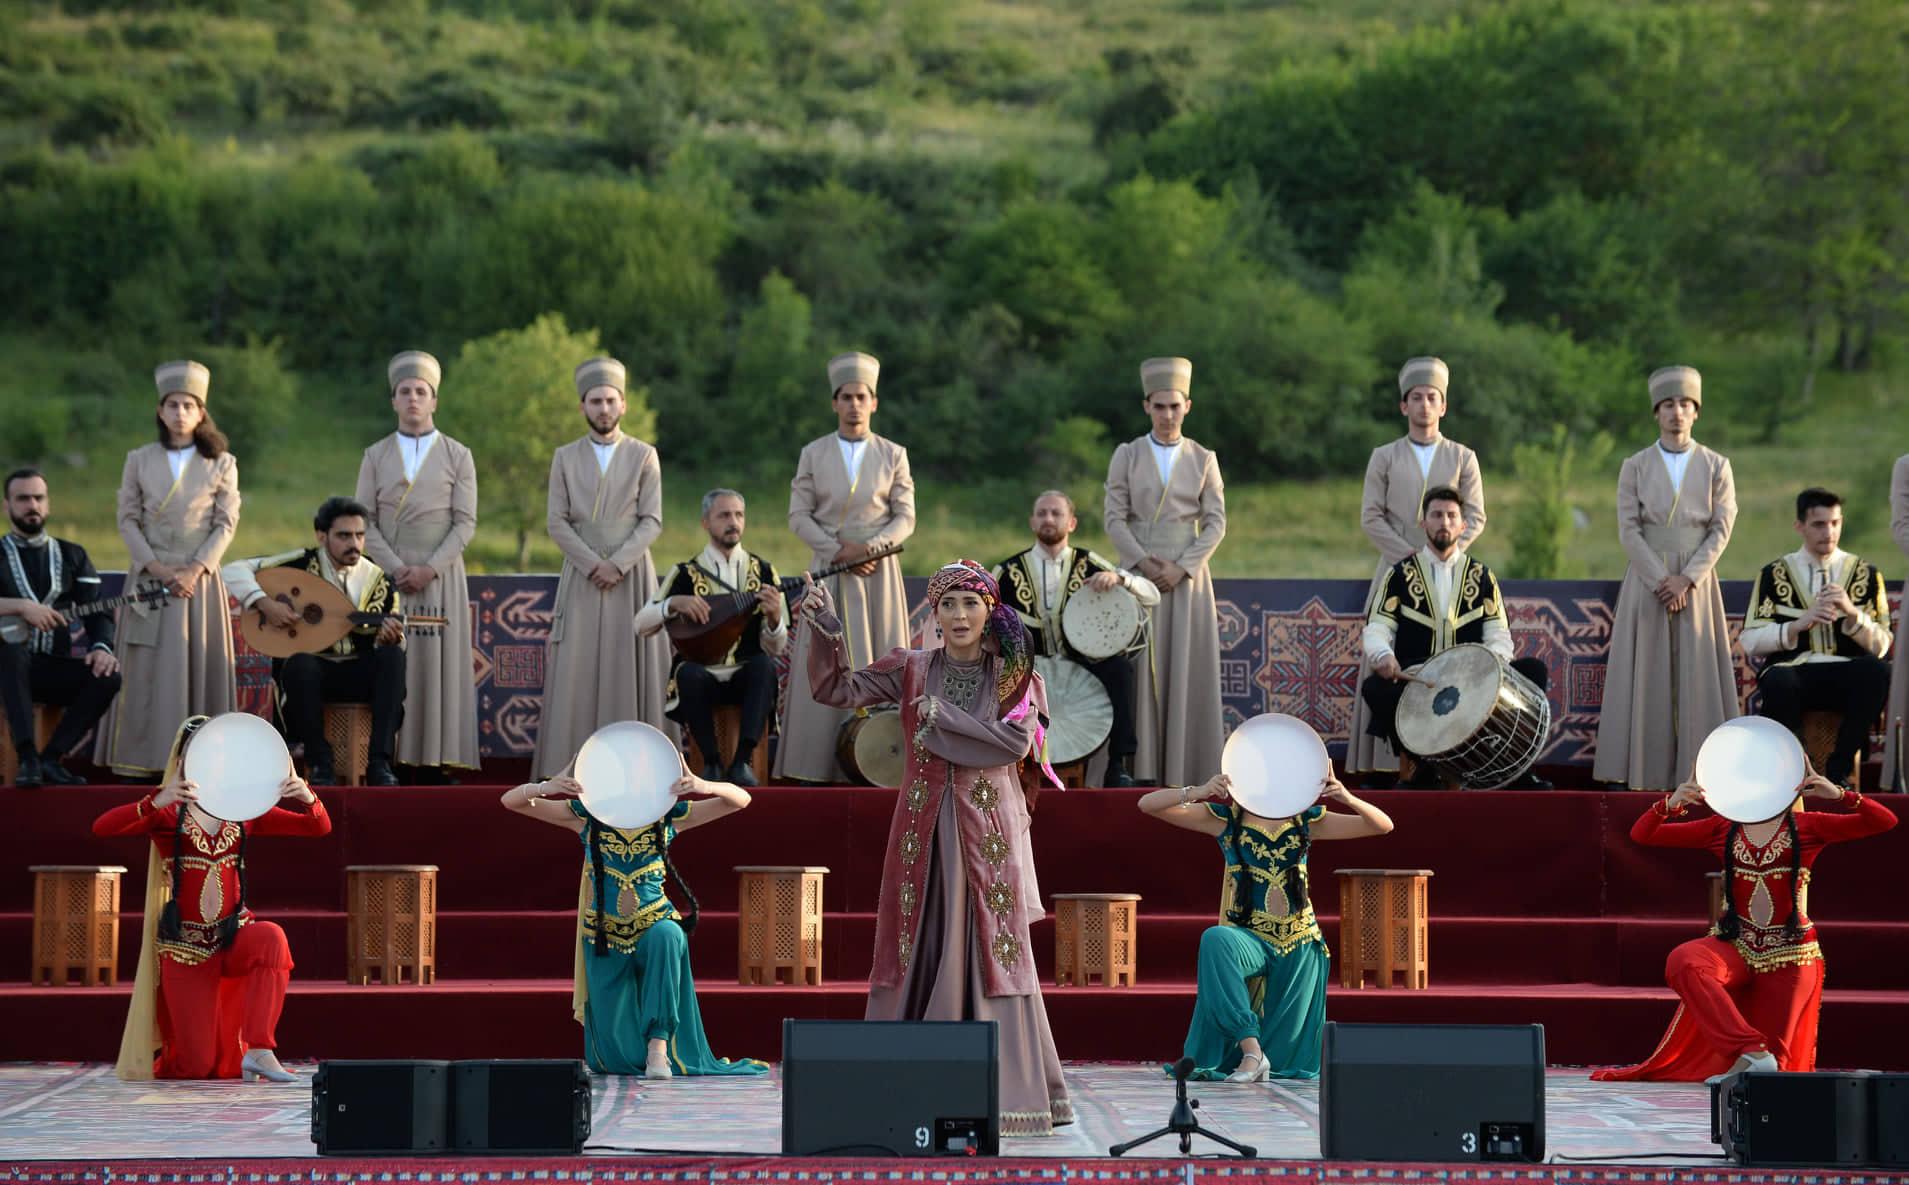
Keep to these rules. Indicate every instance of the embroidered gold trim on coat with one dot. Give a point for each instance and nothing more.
(1007, 950)
(994, 848)
(1000, 898)
(917, 794)
(907, 899)
(984, 794)
(907, 945)
(910, 848)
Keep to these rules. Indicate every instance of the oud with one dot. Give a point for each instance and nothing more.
(325, 614)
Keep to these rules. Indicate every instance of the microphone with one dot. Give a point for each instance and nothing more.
(1182, 1068)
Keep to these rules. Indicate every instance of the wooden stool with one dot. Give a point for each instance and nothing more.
(390, 922)
(76, 922)
(728, 721)
(1096, 934)
(348, 729)
(781, 923)
(1382, 925)
(46, 718)
(1713, 890)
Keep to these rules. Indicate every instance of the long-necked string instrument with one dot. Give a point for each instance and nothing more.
(325, 614)
(709, 642)
(14, 629)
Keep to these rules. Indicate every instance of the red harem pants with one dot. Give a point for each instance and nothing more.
(1728, 1010)
(215, 1011)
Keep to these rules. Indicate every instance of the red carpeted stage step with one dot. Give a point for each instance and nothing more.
(1543, 909)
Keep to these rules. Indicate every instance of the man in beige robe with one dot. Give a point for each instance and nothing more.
(852, 495)
(1668, 680)
(1893, 758)
(1396, 479)
(1166, 512)
(178, 510)
(421, 488)
(606, 508)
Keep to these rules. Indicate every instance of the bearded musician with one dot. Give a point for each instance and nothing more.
(1036, 584)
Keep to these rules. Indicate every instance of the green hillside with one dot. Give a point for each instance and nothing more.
(1010, 203)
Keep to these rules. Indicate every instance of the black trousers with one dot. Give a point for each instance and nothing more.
(1857, 687)
(1382, 697)
(698, 693)
(61, 679)
(306, 683)
(1116, 675)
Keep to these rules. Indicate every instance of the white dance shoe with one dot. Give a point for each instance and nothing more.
(657, 1066)
(1259, 1073)
(263, 1064)
(1760, 1062)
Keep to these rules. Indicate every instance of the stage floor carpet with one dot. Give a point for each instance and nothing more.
(79, 1112)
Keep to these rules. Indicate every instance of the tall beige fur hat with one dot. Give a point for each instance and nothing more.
(1425, 372)
(414, 364)
(185, 375)
(854, 368)
(1668, 382)
(1166, 374)
(601, 372)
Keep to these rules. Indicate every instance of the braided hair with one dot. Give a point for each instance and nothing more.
(1242, 911)
(1730, 925)
(169, 926)
(659, 835)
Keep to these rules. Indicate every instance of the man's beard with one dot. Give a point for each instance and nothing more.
(1049, 535)
(29, 525)
(602, 431)
(1443, 540)
(729, 538)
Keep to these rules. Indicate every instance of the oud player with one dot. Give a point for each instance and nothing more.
(746, 676)
(366, 666)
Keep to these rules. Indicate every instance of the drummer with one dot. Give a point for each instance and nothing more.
(211, 979)
(1036, 584)
(1433, 600)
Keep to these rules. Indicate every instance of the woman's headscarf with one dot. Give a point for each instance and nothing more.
(1004, 625)
(142, 1036)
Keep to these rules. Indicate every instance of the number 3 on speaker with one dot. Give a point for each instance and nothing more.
(1468, 1142)
(921, 1137)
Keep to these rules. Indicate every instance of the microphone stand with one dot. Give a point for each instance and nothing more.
(1182, 1121)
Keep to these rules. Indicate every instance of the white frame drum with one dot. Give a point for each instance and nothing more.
(1103, 624)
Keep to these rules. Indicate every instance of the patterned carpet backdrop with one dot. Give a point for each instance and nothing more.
(1285, 646)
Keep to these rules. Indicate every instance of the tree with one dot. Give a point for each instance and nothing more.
(514, 405)
(1542, 527)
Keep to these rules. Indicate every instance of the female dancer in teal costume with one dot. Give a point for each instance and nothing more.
(1261, 1004)
(634, 993)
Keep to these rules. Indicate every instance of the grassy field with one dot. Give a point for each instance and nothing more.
(1293, 530)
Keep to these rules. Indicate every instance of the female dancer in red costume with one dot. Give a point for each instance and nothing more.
(1750, 991)
(211, 979)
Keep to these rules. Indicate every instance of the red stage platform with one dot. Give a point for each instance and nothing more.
(1543, 910)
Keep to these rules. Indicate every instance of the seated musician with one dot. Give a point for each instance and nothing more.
(1036, 584)
(366, 666)
(1820, 619)
(38, 572)
(746, 676)
(1433, 600)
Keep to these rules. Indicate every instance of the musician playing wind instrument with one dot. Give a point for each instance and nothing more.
(366, 666)
(852, 495)
(421, 489)
(746, 676)
(606, 508)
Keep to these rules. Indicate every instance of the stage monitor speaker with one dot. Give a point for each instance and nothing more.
(1889, 1119)
(895, 1088)
(1800, 1119)
(530, 1106)
(1432, 1092)
(381, 1106)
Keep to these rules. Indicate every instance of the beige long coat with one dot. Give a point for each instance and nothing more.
(826, 509)
(429, 521)
(1177, 710)
(1892, 752)
(1668, 680)
(596, 670)
(1389, 512)
(176, 661)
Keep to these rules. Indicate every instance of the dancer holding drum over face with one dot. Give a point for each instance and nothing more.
(958, 891)
(1243, 1032)
(634, 994)
(211, 978)
(1749, 991)
(1039, 583)
(1435, 600)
